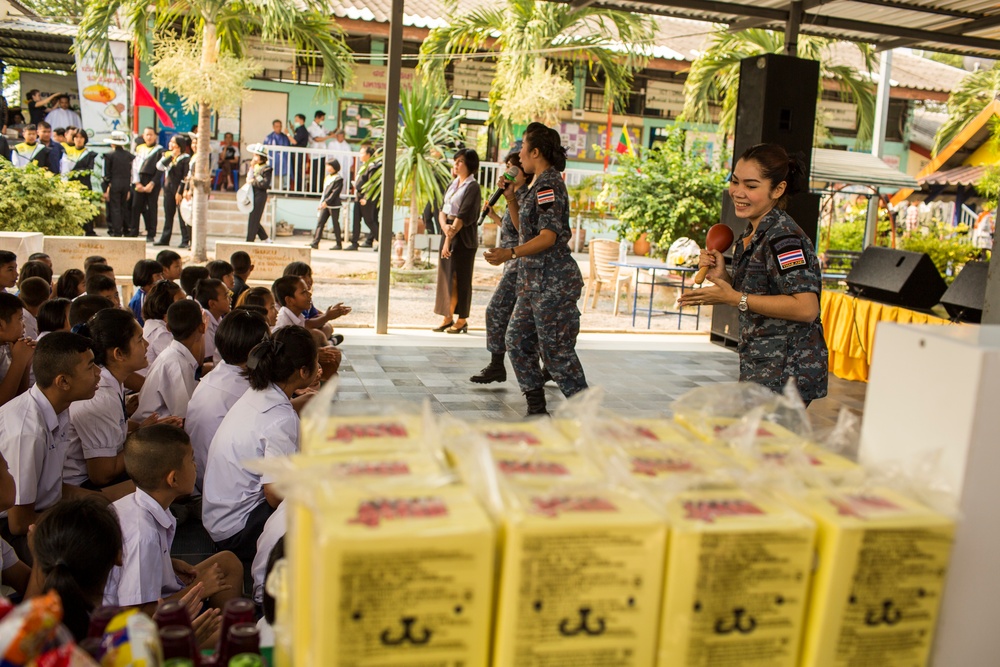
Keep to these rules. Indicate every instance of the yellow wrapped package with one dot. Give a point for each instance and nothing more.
(661, 431)
(689, 466)
(807, 459)
(581, 579)
(394, 575)
(535, 433)
(542, 467)
(372, 432)
(737, 579)
(712, 430)
(877, 587)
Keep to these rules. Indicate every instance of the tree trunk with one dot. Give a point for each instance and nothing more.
(202, 162)
(411, 231)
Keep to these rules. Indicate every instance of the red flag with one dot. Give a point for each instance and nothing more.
(143, 98)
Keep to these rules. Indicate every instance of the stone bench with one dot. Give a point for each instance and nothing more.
(68, 252)
(22, 244)
(269, 259)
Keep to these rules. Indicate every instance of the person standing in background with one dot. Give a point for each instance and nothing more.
(364, 208)
(329, 205)
(116, 183)
(30, 150)
(299, 139)
(79, 158)
(459, 214)
(259, 177)
(55, 148)
(37, 105)
(146, 185)
(317, 139)
(229, 162)
(175, 165)
(343, 154)
(278, 162)
(62, 115)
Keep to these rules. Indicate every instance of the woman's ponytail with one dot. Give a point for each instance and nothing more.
(279, 356)
(76, 607)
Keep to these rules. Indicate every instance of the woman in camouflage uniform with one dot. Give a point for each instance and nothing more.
(546, 319)
(776, 278)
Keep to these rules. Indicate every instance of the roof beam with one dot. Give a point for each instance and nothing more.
(922, 9)
(713, 6)
(900, 31)
(962, 28)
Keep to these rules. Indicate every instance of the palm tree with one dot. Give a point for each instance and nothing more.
(714, 77)
(428, 129)
(533, 41)
(976, 90)
(221, 29)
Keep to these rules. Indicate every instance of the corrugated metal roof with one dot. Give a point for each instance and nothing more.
(957, 176)
(908, 69)
(831, 166)
(33, 27)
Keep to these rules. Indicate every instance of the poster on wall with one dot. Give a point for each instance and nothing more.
(104, 102)
(48, 84)
(586, 141)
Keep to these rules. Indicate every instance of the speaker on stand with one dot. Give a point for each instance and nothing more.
(896, 277)
(965, 297)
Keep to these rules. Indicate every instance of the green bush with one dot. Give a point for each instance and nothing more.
(668, 193)
(32, 199)
(945, 252)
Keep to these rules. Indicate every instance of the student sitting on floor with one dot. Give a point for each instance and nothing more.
(172, 377)
(242, 268)
(218, 391)
(75, 545)
(101, 285)
(263, 423)
(14, 573)
(53, 316)
(190, 275)
(8, 270)
(98, 427)
(172, 264)
(161, 462)
(293, 298)
(261, 297)
(314, 319)
(154, 312)
(34, 292)
(220, 269)
(15, 349)
(213, 295)
(35, 269)
(33, 430)
(70, 284)
(145, 274)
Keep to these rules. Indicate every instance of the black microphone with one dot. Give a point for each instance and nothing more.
(509, 177)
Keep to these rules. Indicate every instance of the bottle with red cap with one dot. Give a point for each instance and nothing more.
(179, 646)
(235, 612)
(242, 640)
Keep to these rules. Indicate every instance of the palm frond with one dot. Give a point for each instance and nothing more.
(975, 91)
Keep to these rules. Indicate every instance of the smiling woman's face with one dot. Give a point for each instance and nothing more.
(751, 192)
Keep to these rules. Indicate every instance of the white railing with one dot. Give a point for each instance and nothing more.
(968, 217)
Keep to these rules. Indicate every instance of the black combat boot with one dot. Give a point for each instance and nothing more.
(536, 402)
(495, 372)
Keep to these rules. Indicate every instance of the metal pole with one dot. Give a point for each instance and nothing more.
(878, 138)
(792, 29)
(389, 166)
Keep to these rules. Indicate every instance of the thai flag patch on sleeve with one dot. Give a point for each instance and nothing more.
(787, 260)
(546, 196)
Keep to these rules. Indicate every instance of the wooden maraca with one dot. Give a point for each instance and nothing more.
(719, 238)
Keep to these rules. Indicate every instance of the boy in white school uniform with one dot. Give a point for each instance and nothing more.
(15, 349)
(218, 391)
(33, 431)
(34, 292)
(172, 377)
(160, 460)
(294, 298)
(213, 295)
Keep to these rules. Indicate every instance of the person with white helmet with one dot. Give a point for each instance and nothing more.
(259, 179)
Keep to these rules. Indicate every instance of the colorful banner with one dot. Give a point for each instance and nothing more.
(104, 102)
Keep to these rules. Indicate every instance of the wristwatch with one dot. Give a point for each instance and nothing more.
(513, 253)
(743, 305)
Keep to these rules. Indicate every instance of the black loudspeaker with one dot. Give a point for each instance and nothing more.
(896, 277)
(965, 297)
(725, 325)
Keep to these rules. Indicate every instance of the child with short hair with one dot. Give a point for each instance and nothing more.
(8, 269)
(144, 275)
(101, 285)
(34, 425)
(190, 275)
(261, 297)
(314, 319)
(75, 545)
(16, 350)
(217, 392)
(242, 268)
(35, 269)
(34, 292)
(263, 423)
(220, 269)
(170, 381)
(98, 268)
(172, 264)
(71, 284)
(160, 461)
(293, 298)
(213, 295)
(42, 257)
(86, 307)
(91, 260)
(53, 316)
(154, 311)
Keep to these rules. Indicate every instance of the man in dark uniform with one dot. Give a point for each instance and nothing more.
(365, 208)
(300, 139)
(116, 183)
(54, 147)
(79, 159)
(146, 185)
(30, 150)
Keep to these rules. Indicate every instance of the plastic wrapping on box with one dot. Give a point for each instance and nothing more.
(717, 413)
(31, 635)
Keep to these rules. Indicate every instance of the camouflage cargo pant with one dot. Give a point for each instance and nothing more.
(499, 311)
(546, 323)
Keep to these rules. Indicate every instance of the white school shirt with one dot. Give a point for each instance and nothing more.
(30, 324)
(274, 529)
(146, 573)
(169, 384)
(287, 318)
(159, 338)
(4, 360)
(213, 398)
(97, 428)
(213, 326)
(262, 424)
(33, 441)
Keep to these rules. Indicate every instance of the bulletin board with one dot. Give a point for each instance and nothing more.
(357, 117)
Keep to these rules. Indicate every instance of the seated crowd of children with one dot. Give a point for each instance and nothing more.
(114, 421)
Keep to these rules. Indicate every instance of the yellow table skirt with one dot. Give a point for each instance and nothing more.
(849, 326)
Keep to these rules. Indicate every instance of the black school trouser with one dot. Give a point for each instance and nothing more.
(145, 204)
(254, 228)
(368, 213)
(325, 215)
(170, 209)
(118, 211)
(244, 543)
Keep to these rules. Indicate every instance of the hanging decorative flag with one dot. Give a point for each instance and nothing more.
(143, 98)
(625, 142)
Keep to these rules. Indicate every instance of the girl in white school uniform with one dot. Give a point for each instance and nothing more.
(236, 503)
(154, 314)
(98, 427)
